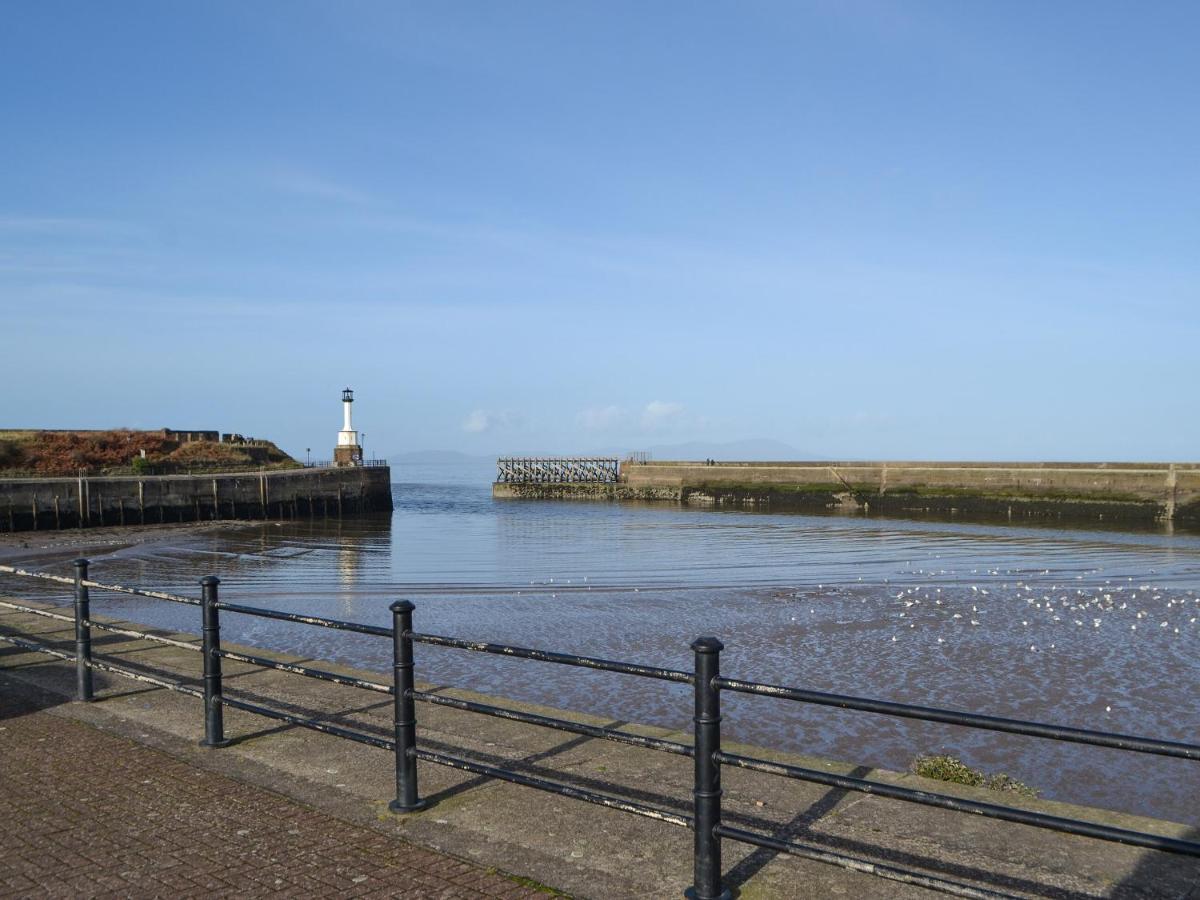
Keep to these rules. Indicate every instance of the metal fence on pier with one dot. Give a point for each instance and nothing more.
(558, 469)
(330, 464)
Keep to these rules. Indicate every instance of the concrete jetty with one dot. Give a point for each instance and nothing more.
(580, 849)
(1116, 492)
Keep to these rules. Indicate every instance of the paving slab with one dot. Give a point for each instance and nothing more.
(88, 813)
(579, 848)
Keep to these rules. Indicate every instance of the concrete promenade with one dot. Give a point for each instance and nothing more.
(275, 776)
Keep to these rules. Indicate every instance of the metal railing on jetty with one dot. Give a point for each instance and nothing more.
(708, 685)
(558, 469)
(330, 464)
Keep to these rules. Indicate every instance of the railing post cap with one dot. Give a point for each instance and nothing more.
(707, 645)
(80, 563)
(401, 606)
(210, 580)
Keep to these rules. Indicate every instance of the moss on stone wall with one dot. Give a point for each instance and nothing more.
(986, 503)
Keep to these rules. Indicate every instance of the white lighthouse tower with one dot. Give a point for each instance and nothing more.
(348, 451)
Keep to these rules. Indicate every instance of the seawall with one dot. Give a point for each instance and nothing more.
(29, 504)
(1130, 492)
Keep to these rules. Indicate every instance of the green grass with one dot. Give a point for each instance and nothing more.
(528, 883)
(955, 771)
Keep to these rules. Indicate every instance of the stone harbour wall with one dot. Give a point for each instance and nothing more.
(29, 504)
(1145, 492)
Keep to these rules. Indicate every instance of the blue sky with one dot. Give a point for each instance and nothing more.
(867, 229)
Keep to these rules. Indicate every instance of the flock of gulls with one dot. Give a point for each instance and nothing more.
(1031, 605)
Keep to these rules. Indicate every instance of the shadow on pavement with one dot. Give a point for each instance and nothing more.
(19, 698)
(754, 863)
(1162, 875)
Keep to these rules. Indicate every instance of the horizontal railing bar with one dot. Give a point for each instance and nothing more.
(46, 576)
(138, 592)
(956, 804)
(36, 647)
(596, 731)
(38, 612)
(307, 672)
(117, 588)
(312, 724)
(127, 632)
(858, 865)
(554, 787)
(92, 623)
(566, 659)
(337, 624)
(175, 686)
(104, 666)
(969, 720)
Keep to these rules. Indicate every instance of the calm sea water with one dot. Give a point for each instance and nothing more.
(1075, 627)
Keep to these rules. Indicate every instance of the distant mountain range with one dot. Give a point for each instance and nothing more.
(761, 449)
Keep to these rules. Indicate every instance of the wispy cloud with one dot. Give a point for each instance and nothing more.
(66, 226)
(317, 187)
(657, 415)
(480, 421)
(662, 414)
(602, 418)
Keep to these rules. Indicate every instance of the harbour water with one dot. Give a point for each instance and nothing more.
(1097, 629)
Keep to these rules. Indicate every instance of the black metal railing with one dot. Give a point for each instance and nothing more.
(708, 758)
(558, 470)
(331, 464)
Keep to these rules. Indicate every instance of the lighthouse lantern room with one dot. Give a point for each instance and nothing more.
(348, 451)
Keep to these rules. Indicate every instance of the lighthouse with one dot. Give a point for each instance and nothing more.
(348, 451)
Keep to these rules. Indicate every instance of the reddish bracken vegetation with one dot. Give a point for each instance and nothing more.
(66, 452)
(208, 454)
(95, 452)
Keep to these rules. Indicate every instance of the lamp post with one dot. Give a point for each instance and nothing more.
(308, 456)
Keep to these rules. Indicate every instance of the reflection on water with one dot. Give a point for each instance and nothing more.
(1085, 628)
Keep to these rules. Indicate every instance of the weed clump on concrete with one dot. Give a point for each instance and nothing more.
(954, 770)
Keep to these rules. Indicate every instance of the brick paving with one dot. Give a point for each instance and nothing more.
(84, 813)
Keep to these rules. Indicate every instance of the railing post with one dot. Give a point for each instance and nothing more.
(83, 634)
(407, 799)
(214, 713)
(706, 790)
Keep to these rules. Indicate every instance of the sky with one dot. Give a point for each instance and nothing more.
(906, 230)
